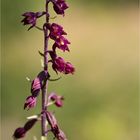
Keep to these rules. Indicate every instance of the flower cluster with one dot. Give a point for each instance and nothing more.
(56, 33)
(58, 63)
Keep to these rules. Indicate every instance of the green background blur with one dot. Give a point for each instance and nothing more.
(101, 98)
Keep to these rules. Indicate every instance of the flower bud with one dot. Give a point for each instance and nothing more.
(30, 102)
(56, 31)
(30, 124)
(58, 133)
(31, 17)
(58, 64)
(37, 83)
(58, 100)
(19, 133)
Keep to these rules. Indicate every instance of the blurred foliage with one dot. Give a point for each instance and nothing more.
(101, 98)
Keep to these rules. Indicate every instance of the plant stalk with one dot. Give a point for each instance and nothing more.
(44, 90)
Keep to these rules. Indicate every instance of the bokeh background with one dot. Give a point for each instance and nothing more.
(101, 98)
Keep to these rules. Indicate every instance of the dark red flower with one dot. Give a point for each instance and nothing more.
(31, 17)
(55, 31)
(61, 43)
(37, 83)
(59, 6)
(21, 131)
(61, 135)
(36, 86)
(58, 64)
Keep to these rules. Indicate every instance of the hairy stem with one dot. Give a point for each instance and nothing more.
(44, 90)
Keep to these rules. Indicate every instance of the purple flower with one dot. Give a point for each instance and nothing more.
(58, 64)
(69, 68)
(30, 102)
(58, 133)
(61, 43)
(58, 100)
(19, 133)
(31, 17)
(59, 6)
(55, 31)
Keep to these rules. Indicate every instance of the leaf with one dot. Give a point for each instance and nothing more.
(41, 53)
(53, 17)
(54, 79)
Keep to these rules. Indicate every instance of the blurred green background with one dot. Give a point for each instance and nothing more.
(101, 98)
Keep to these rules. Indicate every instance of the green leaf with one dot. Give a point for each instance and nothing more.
(41, 53)
(54, 79)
